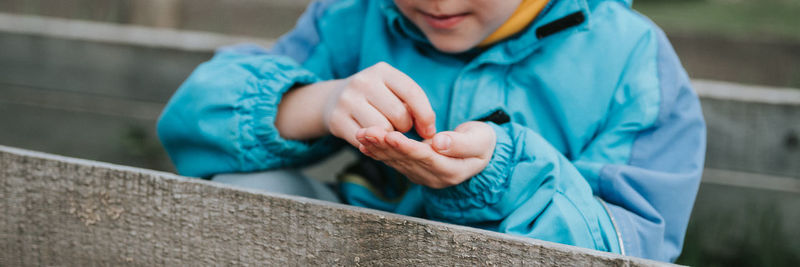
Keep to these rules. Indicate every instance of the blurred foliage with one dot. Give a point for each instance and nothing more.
(750, 19)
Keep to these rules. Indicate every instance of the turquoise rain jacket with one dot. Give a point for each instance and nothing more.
(599, 110)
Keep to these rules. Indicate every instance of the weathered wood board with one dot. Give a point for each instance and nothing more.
(64, 211)
(261, 18)
(751, 128)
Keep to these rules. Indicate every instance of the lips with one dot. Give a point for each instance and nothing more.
(443, 22)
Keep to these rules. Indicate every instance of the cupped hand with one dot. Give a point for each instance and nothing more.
(381, 97)
(448, 159)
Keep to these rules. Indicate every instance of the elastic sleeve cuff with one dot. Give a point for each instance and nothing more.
(258, 107)
(485, 188)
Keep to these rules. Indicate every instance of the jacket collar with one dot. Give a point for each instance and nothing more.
(512, 49)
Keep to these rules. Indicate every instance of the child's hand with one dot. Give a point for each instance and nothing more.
(448, 159)
(381, 97)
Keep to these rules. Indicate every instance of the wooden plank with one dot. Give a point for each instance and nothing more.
(72, 29)
(90, 135)
(721, 90)
(80, 102)
(751, 180)
(260, 18)
(63, 211)
(743, 224)
(741, 60)
(94, 68)
(752, 128)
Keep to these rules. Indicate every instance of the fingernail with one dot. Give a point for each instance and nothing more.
(372, 139)
(441, 142)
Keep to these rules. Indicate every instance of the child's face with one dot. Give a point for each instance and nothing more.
(457, 25)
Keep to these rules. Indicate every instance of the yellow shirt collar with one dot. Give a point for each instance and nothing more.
(524, 15)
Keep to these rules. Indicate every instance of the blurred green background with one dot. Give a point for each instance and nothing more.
(81, 97)
(737, 19)
(748, 41)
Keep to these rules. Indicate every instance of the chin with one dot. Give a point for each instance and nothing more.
(453, 47)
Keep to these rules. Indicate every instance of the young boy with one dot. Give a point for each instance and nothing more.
(570, 121)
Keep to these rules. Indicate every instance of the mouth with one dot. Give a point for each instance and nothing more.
(443, 21)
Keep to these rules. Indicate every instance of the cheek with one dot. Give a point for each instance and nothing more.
(493, 14)
(476, 30)
(491, 22)
(402, 3)
(405, 6)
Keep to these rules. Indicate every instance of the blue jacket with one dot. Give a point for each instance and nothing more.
(599, 107)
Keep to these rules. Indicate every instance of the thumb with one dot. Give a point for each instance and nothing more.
(465, 142)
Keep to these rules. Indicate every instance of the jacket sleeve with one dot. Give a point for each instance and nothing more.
(529, 188)
(522, 162)
(221, 119)
(651, 193)
(645, 162)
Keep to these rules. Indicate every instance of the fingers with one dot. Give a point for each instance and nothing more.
(345, 127)
(383, 91)
(416, 160)
(392, 109)
(407, 147)
(410, 93)
(367, 115)
(411, 158)
(373, 145)
(382, 145)
(471, 139)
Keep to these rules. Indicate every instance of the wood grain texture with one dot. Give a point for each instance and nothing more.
(750, 136)
(64, 211)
